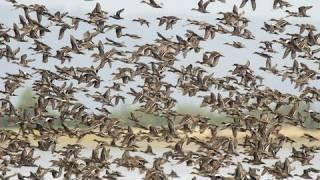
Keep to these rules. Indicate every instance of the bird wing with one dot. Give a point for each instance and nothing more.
(61, 32)
(253, 4)
(243, 3)
(101, 48)
(119, 12)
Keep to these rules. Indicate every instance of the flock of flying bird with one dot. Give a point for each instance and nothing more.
(254, 109)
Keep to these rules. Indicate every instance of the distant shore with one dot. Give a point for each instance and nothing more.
(294, 133)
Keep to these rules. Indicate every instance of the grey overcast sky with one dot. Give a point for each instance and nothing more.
(182, 9)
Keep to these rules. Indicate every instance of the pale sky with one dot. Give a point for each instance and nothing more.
(182, 9)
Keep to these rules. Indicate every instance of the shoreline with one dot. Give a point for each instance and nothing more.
(292, 132)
